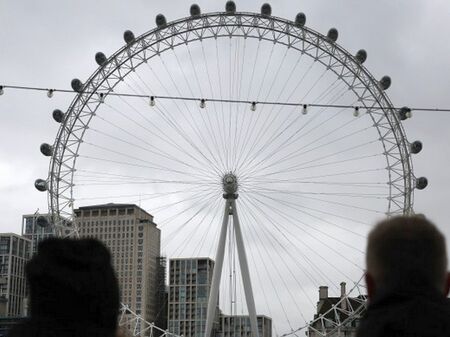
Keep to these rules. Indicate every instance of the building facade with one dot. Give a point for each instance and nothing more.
(14, 253)
(324, 305)
(31, 230)
(189, 287)
(239, 326)
(134, 241)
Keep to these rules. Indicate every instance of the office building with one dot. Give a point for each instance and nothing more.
(239, 326)
(134, 241)
(31, 230)
(189, 286)
(14, 253)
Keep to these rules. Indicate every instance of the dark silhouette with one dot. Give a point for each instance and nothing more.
(73, 291)
(407, 280)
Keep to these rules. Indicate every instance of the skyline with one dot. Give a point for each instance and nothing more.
(396, 45)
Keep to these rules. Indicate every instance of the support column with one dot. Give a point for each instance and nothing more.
(244, 271)
(214, 292)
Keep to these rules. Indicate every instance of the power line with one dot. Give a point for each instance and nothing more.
(203, 100)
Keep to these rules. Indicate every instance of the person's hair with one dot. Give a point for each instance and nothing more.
(73, 289)
(407, 251)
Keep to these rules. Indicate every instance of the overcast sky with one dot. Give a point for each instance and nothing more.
(47, 43)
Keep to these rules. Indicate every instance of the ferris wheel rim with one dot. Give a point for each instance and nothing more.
(87, 96)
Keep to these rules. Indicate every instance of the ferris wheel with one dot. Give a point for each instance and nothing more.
(254, 122)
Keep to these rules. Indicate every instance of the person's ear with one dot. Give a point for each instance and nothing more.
(447, 285)
(370, 283)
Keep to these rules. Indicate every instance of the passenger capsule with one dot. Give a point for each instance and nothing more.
(416, 146)
(385, 82)
(195, 10)
(404, 113)
(333, 34)
(42, 221)
(266, 9)
(300, 19)
(160, 20)
(46, 149)
(58, 115)
(230, 7)
(361, 56)
(128, 36)
(421, 183)
(41, 185)
(77, 85)
(100, 58)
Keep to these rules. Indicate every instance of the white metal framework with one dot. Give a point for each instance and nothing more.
(138, 51)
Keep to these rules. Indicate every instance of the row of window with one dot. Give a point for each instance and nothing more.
(105, 212)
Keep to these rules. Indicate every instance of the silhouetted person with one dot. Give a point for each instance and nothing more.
(407, 280)
(73, 291)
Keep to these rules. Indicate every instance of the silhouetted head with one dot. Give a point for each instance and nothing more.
(73, 289)
(406, 252)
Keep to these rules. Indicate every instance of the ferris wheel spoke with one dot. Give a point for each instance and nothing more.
(282, 244)
(314, 85)
(367, 184)
(256, 179)
(174, 234)
(146, 196)
(292, 139)
(254, 121)
(206, 233)
(336, 194)
(301, 210)
(297, 134)
(285, 229)
(275, 116)
(246, 133)
(321, 211)
(175, 125)
(192, 123)
(290, 156)
(297, 168)
(297, 224)
(161, 135)
(207, 126)
(268, 274)
(296, 248)
(195, 197)
(254, 261)
(158, 168)
(189, 239)
(282, 129)
(154, 165)
(99, 174)
(221, 138)
(156, 151)
(260, 132)
(281, 92)
(268, 256)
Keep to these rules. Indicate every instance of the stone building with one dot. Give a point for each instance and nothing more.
(134, 241)
(344, 305)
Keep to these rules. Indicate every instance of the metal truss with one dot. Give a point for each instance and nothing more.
(229, 25)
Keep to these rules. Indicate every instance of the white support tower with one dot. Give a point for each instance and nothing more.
(230, 188)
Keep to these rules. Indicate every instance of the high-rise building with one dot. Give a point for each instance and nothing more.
(31, 230)
(134, 241)
(239, 326)
(14, 253)
(189, 286)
